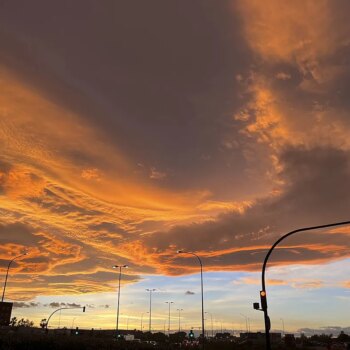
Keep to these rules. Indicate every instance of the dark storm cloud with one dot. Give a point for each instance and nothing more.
(316, 191)
(158, 77)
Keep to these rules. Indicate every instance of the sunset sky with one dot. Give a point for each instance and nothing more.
(131, 129)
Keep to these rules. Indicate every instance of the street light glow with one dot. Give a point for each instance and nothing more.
(117, 266)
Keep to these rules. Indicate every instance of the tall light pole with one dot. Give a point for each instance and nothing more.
(212, 325)
(150, 307)
(179, 318)
(120, 267)
(263, 296)
(169, 303)
(201, 268)
(246, 321)
(7, 273)
(142, 321)
(282, 320)
(73, 322)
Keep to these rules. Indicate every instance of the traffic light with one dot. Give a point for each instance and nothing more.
(191, 335)
(84, 308)
(256, 306)
(263, 300)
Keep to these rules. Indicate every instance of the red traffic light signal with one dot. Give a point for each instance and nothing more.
(263, 300)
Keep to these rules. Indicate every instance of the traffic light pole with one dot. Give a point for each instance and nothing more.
(62, 308)
(263, 297)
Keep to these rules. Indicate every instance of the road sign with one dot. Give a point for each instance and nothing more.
(5, 313)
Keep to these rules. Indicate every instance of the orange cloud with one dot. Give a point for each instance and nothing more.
(84, 205)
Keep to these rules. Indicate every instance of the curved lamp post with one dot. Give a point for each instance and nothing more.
(263, 297)
(150, 307)
(120, 275)
(62, 308)
(201, 266)
(7, 273)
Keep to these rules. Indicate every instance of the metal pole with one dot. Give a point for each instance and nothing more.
(150, 311)
(203, 330)
(7, 274)
(169, 319)
(246, 322)
(142, 321)
(150, 308)
(120, 275)
(202, 293)
(180, 319)
(62, 308)
(263, 287)
(169, 302)
(282, 325)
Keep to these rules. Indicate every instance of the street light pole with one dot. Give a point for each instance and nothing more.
(73, 322)
(180, 318)
(263, 296)
(201, 267)
(169, 303)
(150, 307)
(120, 276)
(282, 325)
(7, 273)
(246, 322)
(142, 321)
(212, 325)
(62, 308)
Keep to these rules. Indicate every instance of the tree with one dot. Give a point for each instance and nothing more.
(25, 323)
(13, 322)
(343, 337)
(43, 323)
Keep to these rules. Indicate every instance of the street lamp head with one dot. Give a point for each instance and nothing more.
(120, 266)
